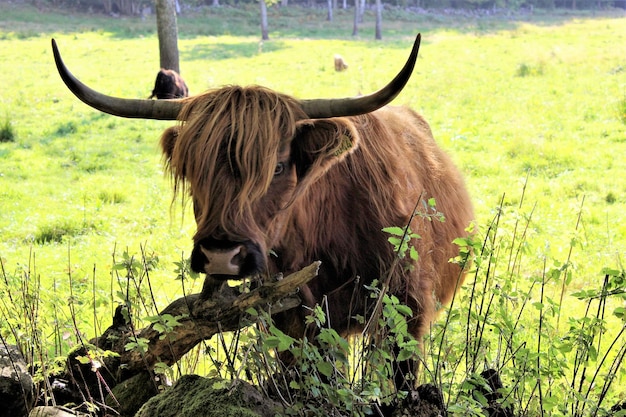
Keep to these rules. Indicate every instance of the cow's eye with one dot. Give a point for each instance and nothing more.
(280, 168)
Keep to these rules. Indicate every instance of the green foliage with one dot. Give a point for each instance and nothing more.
(7, 133)
(528, 70)
(565, 367)
(111, 197)
(66, 128)
(95, 356)
(183, 270)
(135, 7)
(401, 238)
(514, 325)
(140, 344)
(328, 375)
(165, 324)
(57, 232)
(131, 273)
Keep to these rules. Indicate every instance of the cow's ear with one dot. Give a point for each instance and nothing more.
(168, 142)
(319, 144)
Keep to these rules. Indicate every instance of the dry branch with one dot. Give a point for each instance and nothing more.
(200, 318)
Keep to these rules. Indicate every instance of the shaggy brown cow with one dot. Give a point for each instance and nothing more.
(169, 84)
(277, 183)
(340, 64)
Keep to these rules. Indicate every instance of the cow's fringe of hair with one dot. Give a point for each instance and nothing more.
(252, 140)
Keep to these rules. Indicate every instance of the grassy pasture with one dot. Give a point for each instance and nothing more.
(528, 106)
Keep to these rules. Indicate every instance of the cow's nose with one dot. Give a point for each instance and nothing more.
(224, 261)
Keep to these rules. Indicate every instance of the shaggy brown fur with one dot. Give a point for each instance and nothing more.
(169, 84)
(344, 179)
(227, 157)
(340, 64)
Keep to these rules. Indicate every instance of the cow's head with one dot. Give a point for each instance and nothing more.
(243, 154)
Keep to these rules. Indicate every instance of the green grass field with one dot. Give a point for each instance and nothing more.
(533, 106)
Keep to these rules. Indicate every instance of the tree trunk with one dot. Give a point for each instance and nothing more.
(127, 7)
(355, 26)
(329, 17)
(167, 29)
(264, 32)
(361, 10)
(379, 19)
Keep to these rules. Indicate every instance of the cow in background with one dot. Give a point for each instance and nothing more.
(340, 64)
(169, 84)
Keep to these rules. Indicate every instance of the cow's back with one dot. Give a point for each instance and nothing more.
(423, 171)
(396, 167)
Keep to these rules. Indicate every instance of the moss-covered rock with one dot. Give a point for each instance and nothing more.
(17, 391)
(195, 396)
(129, 396)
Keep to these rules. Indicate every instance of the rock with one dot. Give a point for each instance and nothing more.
(195, 396)
(425, 401)
(17, 391)
(128, 396)
(54, 412)
(494, 396)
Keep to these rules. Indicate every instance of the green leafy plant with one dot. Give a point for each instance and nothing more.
(400, 238)
(530, 70)
(510, 324)
(324, 379)
(58, 231)
(165, 324)
(7, 133)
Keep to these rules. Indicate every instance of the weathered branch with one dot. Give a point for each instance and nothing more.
(200, 318)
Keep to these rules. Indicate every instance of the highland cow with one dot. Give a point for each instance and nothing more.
(277, 183)
(169, 84)
(340, 64)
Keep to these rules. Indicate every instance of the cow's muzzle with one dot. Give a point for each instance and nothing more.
(227, 260)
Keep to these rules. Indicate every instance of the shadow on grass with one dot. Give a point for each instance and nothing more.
(214, 52)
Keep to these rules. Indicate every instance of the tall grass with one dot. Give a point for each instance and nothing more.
(554, 358)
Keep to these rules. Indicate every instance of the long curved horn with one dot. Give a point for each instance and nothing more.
(134, 108)
(323, 108)
(169, 109)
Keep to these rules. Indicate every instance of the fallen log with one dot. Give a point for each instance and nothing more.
(203, 317)
(219, 308)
